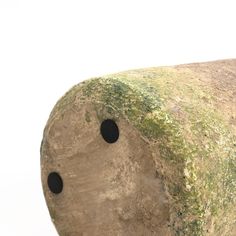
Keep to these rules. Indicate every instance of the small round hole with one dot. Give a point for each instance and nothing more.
(109, 131)
(55, 183)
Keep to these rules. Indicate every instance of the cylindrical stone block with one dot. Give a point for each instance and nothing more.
(144, 152)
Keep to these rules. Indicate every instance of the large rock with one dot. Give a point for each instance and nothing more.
(144, 152)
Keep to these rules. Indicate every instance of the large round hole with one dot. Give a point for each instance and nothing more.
(55, 183)
(109, 131)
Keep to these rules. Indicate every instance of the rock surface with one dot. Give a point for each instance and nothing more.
(171, 171)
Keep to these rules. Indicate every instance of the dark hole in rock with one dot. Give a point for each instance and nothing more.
(55, 183)
(109, 131)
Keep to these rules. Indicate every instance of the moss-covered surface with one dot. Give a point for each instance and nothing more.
(177, 111)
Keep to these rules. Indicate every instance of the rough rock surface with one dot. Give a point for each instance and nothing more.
(171, 172)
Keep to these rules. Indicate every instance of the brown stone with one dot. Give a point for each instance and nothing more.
(172, 170)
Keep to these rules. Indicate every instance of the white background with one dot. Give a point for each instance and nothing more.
(47, 46)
